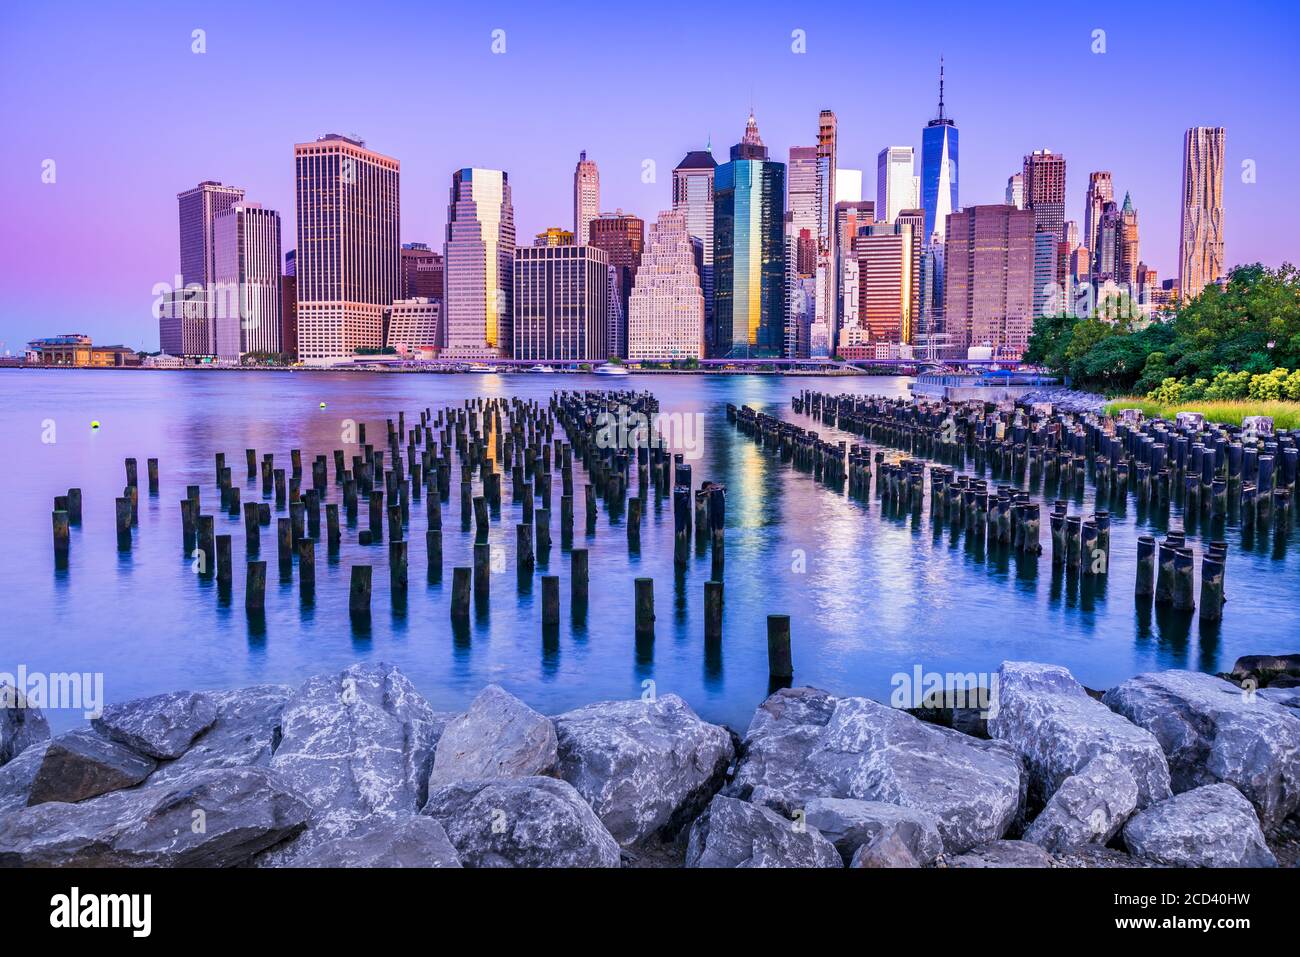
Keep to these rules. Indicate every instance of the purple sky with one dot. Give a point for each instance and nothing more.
(113, 94)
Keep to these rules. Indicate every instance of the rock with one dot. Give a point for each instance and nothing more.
(804, 744)
(82, 764)
(17, 777)
(1286, 697)
(521, 822)
(217, 818)
(405, 842)
(161, 726)
(1088, 808)
(21, 724)
(1209, 826)
(1265, 669)
(246, 727)
(358, 746)
(1213, 731)
(498, 737)
(850, 824)
(734, 833)
(1048, 717)
(889, 848)
(1003, 854)
(643, 766)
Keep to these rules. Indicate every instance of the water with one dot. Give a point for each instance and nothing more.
(870, 596)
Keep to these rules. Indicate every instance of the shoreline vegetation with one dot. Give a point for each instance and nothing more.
(1285, 415)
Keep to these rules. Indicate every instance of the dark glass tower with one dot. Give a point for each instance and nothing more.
(938, 169)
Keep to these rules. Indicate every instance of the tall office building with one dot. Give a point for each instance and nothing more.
(851, 217)
(666, 310)
(1016, 190)
(803, 210)
(415, 326)
(939, 161)
(561, 302)
(478, 259)
(289, 306)
(421, 272)
(586, 196)
(198, 209)
(1106, 255)
(930, 336)
(693, 196)
(1200, 246)
(1044, 185)
(1101, 190)
(827, 249)
(622, 236)
(247, 314)
(885, 281)
(1047, 287)
(895, 182)
(349, 266)
(749, 252)
(1130, 253)
(913, 220)
(989, 278)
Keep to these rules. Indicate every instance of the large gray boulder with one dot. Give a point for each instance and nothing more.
(1286, 697)
(1048, 717)
(217, 818)
(357, 746)
(849, 824)
(414, 841)
(1003, 854)
(804, 744)
(161, 726)
(1209, 826)
(1213, 731)
(18, 776)
(82, 764)
(890, 848)
(242, 734)
(521, 822)
(735, 833)
(643, 766)
(1088, 808)
(498, 737)
(22, 724)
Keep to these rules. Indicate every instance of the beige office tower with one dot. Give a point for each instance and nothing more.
(989, 278)
(1200, 248)
(479, 262)
(246, 304)
(349, 247)
(827, 247)
(666, 309)
(586, 197)
(1101, 190)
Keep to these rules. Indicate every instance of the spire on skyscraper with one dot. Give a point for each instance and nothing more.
(940, 88)
(1128, 204)
(751, 137)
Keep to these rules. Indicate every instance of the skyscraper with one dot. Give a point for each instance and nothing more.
(1101, 190)
(885, 281)
(939, 169)
(666, 309)
(803, 210)
(289, 306)
(1016, 190)
(561, 301)
(1129, 251)
(827, 249)
(989, 278)
(421, 272)
(894, 182)
(1200, 246)
(247, 239)
(198, 209)
(348, 249)
(622, 236)
(479, 258)
(749, 252)
(693, 196)
(1044, 184)
(586, 196)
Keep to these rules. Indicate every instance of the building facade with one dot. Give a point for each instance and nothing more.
(1101, 190)
(939, 165)
(895, 182)
(586, 197)
(693, 196)
(561, 302)
(415, 327)
(1200, 244)
(622, 236)
(422, 272)
(1044, 184)
(479, 260)
(348, 247)
(198, 209)
(989, 278)
(248, 263)
(666, 309)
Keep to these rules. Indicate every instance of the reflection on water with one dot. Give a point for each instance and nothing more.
(870, 593)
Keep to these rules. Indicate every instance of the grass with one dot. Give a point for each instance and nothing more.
(1286, 415)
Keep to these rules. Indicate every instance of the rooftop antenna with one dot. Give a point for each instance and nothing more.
(940, 87)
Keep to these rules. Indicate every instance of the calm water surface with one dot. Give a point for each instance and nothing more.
(869, 595)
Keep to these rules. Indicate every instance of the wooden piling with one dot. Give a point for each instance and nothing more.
(712, 611)
(578, 572)
(307, 566)
(1211, 588)
(225, 565)
(460, 587)
(482, 571)
(359, 592)
(779, 663)
(397, 569)
(1146, 567)
(255, 587)
(62, 539)
(433, 555)
(550, 600)
(645, 607)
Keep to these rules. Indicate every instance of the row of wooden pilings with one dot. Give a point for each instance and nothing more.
(476, 436)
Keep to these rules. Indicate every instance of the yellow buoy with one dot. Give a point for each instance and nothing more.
(94, 424)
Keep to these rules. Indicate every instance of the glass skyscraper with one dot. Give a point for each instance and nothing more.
(938, 170)
(749, 252)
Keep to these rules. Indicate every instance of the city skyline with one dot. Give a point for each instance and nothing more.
(535, 135)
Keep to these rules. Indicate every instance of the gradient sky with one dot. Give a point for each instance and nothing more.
(113, 94)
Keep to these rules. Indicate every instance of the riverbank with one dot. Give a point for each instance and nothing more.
(1285, 415)
(356, 769)
(836, 372)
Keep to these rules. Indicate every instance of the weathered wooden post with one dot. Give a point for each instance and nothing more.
(359, 592)
(524, 561)
(307, 567)
(543, 534)
(779, 663)
(1211, 588)
(1184, 584)
(578, 560)
(255, 588)
(61, 535)
(1146, 567)
(397, 570)
(332, 534)
(152, 466)
(634, 524)
(130, 472)
(225, 564)
(132, 494)
(645, 607)
(717, 525)
(284, 542)
(252, 531)
(74, 506)
(482, 571)
(433, 555)
(589, 493)
(207, 545)
(712, 611)
(460, 585)
(550, 600)
(376, 517)
(395, 523)
(681, 526)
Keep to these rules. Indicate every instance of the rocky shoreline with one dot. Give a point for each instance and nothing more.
(355, 769)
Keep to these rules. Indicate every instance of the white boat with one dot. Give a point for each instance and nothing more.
(542, 368)
(610, 368)
(479, 367)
